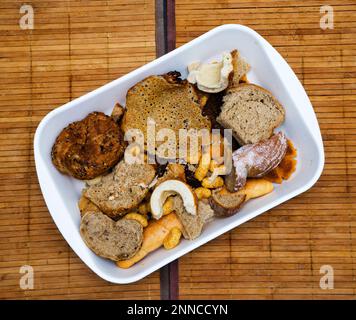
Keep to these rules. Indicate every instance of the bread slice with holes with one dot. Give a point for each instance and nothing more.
(170, 102)
(121, 190)
(251, 112)
(109, 239)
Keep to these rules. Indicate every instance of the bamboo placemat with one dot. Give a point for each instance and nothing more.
(279, 254)
(75, 47)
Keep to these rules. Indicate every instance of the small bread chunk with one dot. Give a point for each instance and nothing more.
(122, 190)
(109, 239)
(240, 68)
(225, 203)
(251, 112)
(85, 205)
(118, 112)
(192, 225)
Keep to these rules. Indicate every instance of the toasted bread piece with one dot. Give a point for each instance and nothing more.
(88, 148)
(251, 112)
(240, 68)
(192, 224)
(118, 112)
(122, 190)
(225, 203)
(109, 239)
(170, 102)
(85, 205)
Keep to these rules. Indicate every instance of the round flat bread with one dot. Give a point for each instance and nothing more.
(88, 148)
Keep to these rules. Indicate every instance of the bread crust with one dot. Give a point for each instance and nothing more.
(240, 68)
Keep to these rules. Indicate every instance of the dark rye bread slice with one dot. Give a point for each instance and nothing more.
(251, 112)
(122, 190)
(109, 239)
(225, 203)
(172, 103)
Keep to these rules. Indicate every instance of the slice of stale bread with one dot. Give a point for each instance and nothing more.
(172, 103)
(122, 190)
(225, 203)
(109, 239)
(251, 112)
(192, 224)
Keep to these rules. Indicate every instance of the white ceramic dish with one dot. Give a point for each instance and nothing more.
(269, 70)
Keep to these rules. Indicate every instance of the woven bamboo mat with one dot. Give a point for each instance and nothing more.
(279, 254)
(75, 47)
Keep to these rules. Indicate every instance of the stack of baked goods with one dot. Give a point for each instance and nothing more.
(131, 208)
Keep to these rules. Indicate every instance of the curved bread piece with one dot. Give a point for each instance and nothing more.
(169, 101)
(251, 112)
(88, 148)
(109, 239)
(225, 203)
(255, 160)
(122, 190)
(192, 225)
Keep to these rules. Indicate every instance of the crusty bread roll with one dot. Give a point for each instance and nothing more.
(255, 160)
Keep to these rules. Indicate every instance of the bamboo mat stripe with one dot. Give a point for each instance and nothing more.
(165, 42)
(278, 255)
(75, 47)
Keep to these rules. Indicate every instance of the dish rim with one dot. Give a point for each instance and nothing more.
(311, 124)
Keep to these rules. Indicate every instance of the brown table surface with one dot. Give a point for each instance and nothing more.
(77, 46)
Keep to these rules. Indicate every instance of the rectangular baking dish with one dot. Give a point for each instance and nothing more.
(268, 69)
